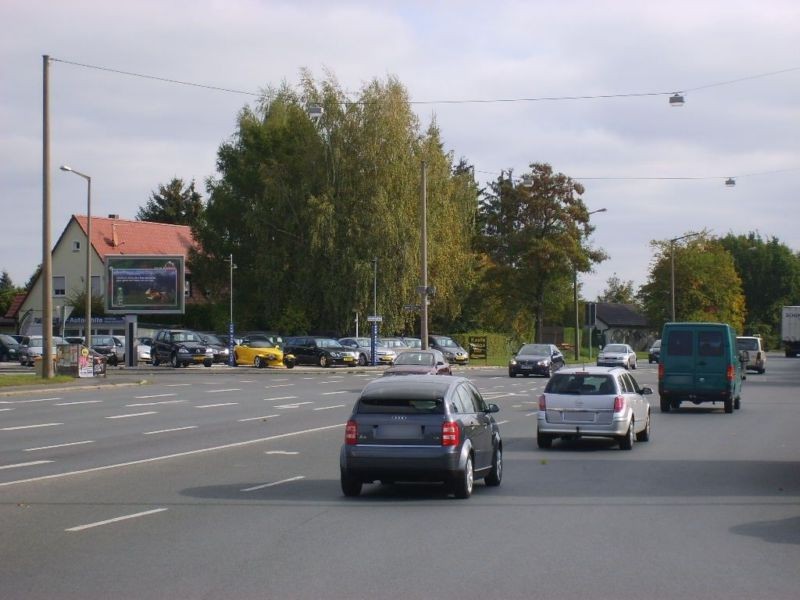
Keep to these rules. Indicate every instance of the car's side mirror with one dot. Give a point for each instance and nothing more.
(493, 408)
(646, 391)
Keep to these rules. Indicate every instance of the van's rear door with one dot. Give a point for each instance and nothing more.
(711, 364)
(678, 359)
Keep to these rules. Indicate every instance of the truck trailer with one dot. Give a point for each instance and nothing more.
(790, 330)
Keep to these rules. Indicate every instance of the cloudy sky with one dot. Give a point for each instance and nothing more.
(658, 170)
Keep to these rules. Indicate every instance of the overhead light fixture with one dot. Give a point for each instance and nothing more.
(676, 100)
(730, 182)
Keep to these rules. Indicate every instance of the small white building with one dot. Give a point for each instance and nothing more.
(110, 236)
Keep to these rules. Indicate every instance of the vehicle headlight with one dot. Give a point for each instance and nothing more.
(209, 352)
(183, 350)
(512, 362)
(336, 355)
(543, 363)
(225, 351)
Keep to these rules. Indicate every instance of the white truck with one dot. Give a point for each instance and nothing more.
(790, 330)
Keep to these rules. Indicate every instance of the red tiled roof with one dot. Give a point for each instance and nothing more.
(118, 236)
(16, 302)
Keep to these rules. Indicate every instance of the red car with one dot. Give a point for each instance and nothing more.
(419, 362)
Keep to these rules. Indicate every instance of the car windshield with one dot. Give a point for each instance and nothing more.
(260, 344)
(102, 340)
(328, 343)
(747, 344)
(185, 336)
(415, 358)
(393, 343)
(538, 349)
(580, 383)
(615, 348)
(8, 340)
(210, 338)
(446, 343)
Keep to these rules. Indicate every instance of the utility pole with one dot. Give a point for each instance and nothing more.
(423, 321)
(47, 262)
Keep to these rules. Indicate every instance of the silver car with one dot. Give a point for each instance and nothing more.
(361, 347)
(617, 355)
(593, 402)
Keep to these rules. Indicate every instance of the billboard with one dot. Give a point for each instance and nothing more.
(139, 284)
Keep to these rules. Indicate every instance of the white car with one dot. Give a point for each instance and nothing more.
(33, 349)
(593, 402)
(756, 357)
(617, 355)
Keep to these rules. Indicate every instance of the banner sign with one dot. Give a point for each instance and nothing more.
(138, 284)
(477, 347)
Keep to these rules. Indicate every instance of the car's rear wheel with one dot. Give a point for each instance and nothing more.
(737, 403)
(626, 441)
(351, 486)
(644, 434)
(462, 486)
(208, 362)
(666, 405)
(259, 363)
(729, 404)
(495, 476)
(544, 440)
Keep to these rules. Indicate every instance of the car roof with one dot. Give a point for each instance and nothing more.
(591, 370)
(415, 381)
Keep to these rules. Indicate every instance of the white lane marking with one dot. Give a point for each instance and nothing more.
(154, 396)
(216, 405)
(330, 407)
(226, 390)
(141, 414)
(58, 446)
(28, 401)
(177, 455)
(282, 452)
(115, 520)
(5, 409)
(169, 430)
(502, 422)
(279, 398)
(332, 393)
(331, 381)
(155, 403)
(246, 381)
(30, 426)
(258, 418)
(25, 464)
(274, 483)
(532, 414)
(77, 402)
(282, 379)
(177, 384)
(295, 405)
(267, 387)
(503, 395)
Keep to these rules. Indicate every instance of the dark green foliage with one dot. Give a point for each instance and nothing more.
(173, 203)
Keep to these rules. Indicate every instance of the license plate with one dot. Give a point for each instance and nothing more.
(527, 366)
(399, 432)
(348, 359)
(579, 416)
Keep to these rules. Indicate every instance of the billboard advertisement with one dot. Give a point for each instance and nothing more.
(137, 284)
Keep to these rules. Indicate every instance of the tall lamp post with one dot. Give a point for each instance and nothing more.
(231, 356)
(672, 268)
(575, 297)
(88, 328)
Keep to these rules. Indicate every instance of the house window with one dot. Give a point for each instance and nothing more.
(59, 285)
(76, 246)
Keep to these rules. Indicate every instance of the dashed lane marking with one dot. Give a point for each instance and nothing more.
(170, 430)
(25, 464)
(58, 446)
(18, 427)
(115, 520)
(274, 483)
(141, 414)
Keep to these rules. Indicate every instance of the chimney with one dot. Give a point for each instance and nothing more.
(113, 216)
(114, 237)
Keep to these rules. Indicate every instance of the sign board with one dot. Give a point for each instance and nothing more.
(590, 314)
(478, 347)
(139, 284)
(411, 307)
(375, 319)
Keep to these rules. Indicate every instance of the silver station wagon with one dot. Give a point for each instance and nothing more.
(594, 402)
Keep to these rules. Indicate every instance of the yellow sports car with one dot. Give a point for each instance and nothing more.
(259, 353)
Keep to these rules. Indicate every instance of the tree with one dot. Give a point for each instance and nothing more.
(618, 291)
(7, 292)
(535, 236)
(173, 203)
(707, 286)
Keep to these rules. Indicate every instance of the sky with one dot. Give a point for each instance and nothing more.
(659, 171)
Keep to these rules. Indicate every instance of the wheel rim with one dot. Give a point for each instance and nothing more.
(468, 476)
(631, 434)
(323, 362)
(499, 467)
(259, 363)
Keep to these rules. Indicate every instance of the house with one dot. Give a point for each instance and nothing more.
(110, 236)
(622, 323)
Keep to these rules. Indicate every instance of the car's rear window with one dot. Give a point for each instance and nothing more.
(405, 400)
(746, 344)
(581, 383)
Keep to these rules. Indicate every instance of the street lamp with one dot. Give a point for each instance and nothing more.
(575, 296)
(231, 357)
(88, 328)
(672, 268)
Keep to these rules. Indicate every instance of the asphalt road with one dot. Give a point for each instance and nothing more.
(224, 484)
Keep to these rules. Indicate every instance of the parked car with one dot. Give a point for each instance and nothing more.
(32, 349)
(421, 428)
(9, 348)
(259, 353)
(112, 347)
(536, 359)
(363, 346)
(699, 363)
(454, 353)
(756, 357)
(269, 336)
(397, 344)
(180, 348)
(143, 349)
(220, 348)
(325, 352)
(419, 362)
(654, 353)
(412, 342)
(617, 355)
(593, 402)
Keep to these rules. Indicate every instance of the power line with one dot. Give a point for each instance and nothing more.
(657, 178)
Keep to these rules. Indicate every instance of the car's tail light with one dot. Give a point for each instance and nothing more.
(731, 372)
(619, 403)
(351, 433)
(451, 435)
(661, 371)
(542, 402)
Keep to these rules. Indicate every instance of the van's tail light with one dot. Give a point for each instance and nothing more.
(619, 403)
(542, 402)
(451, 435)
(661, 371)
(351, 433)
(731, 372)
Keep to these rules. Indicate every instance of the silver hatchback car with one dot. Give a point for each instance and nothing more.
(617, 355)
(593, 402)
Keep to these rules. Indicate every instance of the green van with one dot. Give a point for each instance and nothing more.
(699, 363)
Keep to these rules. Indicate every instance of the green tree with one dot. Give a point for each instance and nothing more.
(7, 292)
(707, 286)
(618, 291)
(173, 203)
(535, 235)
